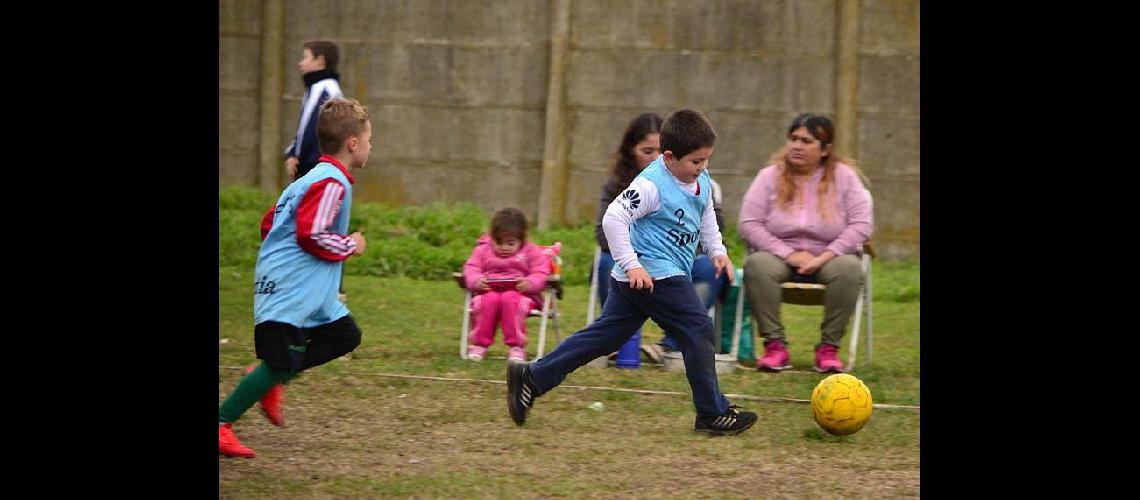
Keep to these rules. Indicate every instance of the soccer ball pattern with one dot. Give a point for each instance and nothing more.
(841, 404)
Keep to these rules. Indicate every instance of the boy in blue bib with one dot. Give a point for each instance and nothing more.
(653, 228)
(298, 321)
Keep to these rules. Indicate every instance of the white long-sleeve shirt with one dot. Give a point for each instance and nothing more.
(617, 220)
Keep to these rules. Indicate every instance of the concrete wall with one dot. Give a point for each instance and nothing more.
(457, 91)
(239, 42)
(888, 112)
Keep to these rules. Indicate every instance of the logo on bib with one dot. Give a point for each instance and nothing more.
(630, 199)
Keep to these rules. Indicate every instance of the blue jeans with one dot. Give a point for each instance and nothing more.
(708, 288)
(605, 265)
(673, 304)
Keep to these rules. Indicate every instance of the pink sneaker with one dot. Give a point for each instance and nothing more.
(827, 359)
(775, 358)
(476, 353)
(516, 353)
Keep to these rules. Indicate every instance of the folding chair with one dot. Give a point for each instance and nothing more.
(551, 294)
(811, 294)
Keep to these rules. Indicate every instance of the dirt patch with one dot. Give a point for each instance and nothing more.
(350, 435)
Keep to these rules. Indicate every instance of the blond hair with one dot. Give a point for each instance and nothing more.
(339, 120)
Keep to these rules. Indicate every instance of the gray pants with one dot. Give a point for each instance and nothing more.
(763, 274)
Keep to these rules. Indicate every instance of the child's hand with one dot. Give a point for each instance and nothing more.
(522, 286)
(723, 263)
(483, 284)
(358, 237)
(639, 279)
(291, 166)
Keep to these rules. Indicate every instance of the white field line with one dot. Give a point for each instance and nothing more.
(615, 389)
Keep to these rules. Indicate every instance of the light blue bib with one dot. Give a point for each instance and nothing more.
(291, 285)
(666, 240)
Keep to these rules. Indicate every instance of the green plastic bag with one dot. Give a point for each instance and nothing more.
(747, 350)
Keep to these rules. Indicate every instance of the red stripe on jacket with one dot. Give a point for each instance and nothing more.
(324, 238)
(315, 215)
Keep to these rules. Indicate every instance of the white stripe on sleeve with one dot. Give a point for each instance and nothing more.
(326, 208)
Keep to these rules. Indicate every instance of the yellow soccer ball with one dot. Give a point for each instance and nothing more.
(841, 404)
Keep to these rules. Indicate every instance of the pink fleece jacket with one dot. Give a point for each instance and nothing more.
(528, 263)
(766, 226)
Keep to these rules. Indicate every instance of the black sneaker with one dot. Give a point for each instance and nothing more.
(732, 422)
(520, 391)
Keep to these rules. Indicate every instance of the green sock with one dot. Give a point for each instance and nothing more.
(250, 389)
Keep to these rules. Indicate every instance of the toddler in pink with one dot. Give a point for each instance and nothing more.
(498, 257)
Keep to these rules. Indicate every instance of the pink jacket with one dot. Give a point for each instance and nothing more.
(529, 263)
(765, 226)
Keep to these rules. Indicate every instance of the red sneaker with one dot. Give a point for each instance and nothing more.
(229, 445)
(271, 402)
(827, 359)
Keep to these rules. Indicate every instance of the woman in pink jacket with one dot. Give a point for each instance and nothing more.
(507, 272)
(805, 218)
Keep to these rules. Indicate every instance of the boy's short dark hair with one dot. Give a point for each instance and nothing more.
(326, 48)
(508, 222)
(338, 120)
(685, 131)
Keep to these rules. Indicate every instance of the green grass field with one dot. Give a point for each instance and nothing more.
(355, 429)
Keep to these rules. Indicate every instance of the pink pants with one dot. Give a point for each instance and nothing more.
(511, 307)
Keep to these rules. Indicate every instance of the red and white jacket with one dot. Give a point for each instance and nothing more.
(316, 212)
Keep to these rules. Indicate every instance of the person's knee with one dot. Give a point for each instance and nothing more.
(706, 331)
(703, 269)
(704, 290)
(282, 375)
(846, 268)
(764, 265)
(352, 339)
(349, 336)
